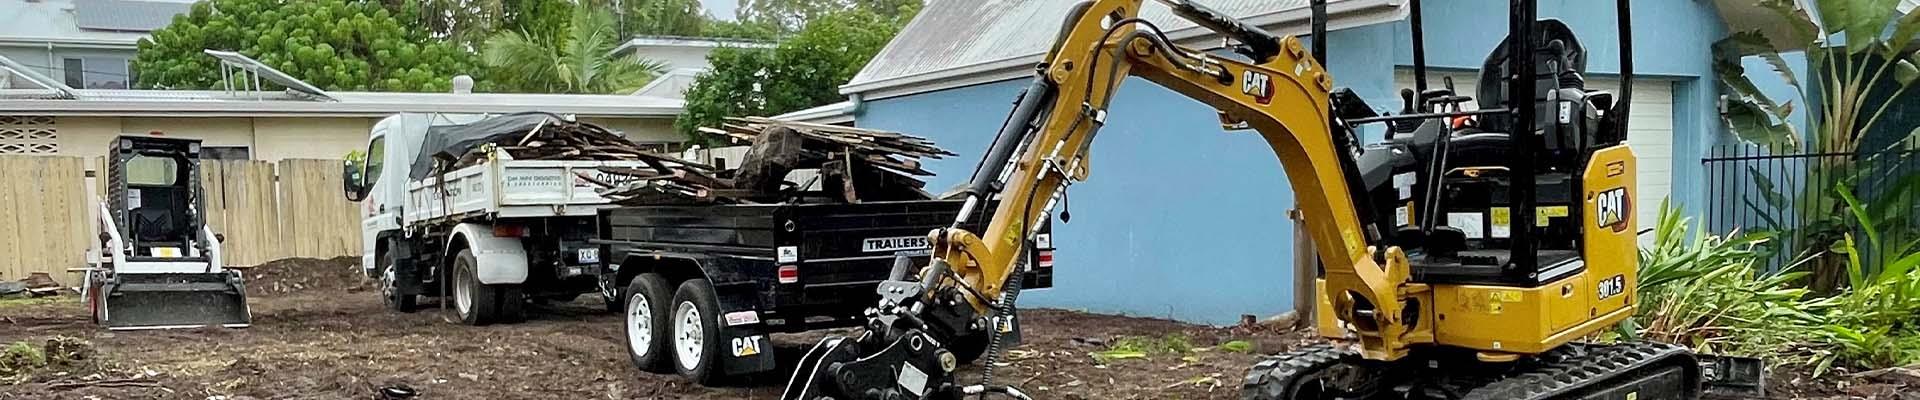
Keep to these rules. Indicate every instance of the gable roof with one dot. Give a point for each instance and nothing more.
(954, 43)
(672, 85)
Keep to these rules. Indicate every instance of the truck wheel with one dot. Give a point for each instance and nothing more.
(647, 306)
(476, 303)
(513, 302)
(696, 332)
(390, 287)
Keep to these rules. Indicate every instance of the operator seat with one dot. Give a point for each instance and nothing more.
(1476, 181)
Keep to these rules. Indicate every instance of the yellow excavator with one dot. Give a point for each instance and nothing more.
(1462, 258)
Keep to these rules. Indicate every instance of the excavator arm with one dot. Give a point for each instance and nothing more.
(1278, 90)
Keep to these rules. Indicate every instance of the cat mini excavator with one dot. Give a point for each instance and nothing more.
(1429, 289)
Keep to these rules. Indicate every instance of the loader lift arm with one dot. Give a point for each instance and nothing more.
(1280, 91)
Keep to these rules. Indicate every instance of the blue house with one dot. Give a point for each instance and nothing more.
(1181, 219)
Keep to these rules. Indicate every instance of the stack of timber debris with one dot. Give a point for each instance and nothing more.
(558, 139)
(854, 164)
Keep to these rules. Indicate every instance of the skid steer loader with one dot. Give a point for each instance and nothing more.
(159, 264)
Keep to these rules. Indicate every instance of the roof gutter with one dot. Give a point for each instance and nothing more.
(1343, 14)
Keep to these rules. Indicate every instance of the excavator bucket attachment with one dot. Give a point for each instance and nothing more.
(166, 301)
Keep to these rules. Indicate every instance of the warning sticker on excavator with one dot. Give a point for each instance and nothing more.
(1502, 222)
(1543, 213)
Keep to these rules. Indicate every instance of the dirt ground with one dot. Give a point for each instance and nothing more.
(320, 333)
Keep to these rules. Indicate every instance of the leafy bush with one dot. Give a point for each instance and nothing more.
(1706, 292)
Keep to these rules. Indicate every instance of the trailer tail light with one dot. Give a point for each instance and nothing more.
(1045, 259)
(789, 274)
(509, 231)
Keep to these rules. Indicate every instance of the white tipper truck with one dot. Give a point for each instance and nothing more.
(493, 235)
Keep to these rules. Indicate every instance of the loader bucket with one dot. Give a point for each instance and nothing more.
(166, 301)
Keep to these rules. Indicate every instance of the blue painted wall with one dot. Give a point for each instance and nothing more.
(1179, 219)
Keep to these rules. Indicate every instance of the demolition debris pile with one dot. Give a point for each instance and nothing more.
(852, 164)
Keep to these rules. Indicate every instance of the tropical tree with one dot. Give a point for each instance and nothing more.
(1859, 67)
(789, 16)
(335, 45)
(579, 60)
(660, 17)
(806, 70)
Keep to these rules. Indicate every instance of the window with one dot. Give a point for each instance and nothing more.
(225, 153)
(376, 159)
(75, 73)
(97, 72)
(145, 170)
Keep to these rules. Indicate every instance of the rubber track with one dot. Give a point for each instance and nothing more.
(1270, 379)
(1573, 371)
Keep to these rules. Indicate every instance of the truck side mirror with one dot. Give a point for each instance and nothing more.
(353, 180)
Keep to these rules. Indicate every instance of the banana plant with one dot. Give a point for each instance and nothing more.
(1859, 64)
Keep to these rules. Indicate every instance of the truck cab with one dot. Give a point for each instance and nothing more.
(490, 232)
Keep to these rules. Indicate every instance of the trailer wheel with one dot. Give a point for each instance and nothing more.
(696, 332)
(390, 287)
(647, 304)
(476, 303)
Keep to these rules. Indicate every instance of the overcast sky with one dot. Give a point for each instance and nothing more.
(722, 9)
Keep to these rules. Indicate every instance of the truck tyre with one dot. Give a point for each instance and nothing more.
(696, 332)
(476, 303)
(648, 302)
(390, 286)
(513, 302)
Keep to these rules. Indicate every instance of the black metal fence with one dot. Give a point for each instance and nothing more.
(1795, 196)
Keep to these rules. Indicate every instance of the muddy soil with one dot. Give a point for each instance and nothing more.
(320, 333)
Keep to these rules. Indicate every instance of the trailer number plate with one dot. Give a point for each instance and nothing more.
(588, 255)
(872, 245)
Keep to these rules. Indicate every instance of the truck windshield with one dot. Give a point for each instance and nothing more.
(376, 158)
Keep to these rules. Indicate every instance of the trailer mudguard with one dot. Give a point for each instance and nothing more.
(498, 260)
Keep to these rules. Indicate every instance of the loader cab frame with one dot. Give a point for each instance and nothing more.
(154, 198)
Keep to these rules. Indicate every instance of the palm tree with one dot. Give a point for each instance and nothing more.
(578, 59)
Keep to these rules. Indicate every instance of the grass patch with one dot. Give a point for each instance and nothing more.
(1131, 347)
(10, 302)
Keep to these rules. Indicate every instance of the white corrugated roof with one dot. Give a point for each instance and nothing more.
(54, 21)
(371, 104)
(832, 114)
(686, 41)
(975, 41)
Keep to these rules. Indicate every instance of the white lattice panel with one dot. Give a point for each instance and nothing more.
(28, 134)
